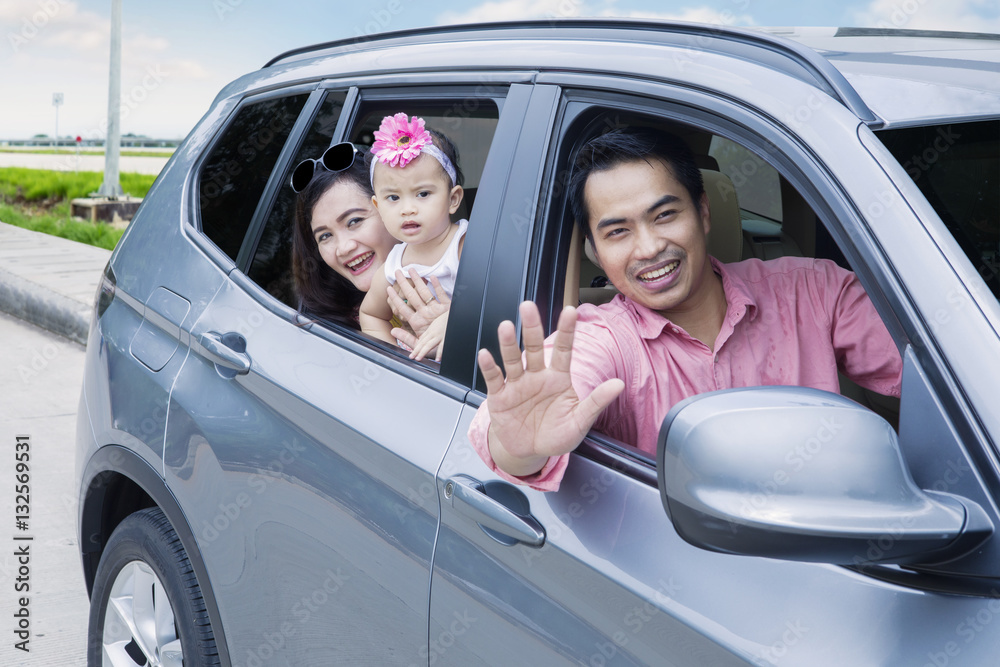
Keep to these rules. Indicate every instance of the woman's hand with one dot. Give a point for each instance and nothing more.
(413, 303)
(430, 340)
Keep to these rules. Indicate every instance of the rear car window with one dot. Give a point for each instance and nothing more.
(271, 267)
(236, 171)
(957, 168)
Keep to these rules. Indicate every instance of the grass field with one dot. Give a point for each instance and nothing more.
(39, 200)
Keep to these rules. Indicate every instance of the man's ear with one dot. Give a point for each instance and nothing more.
(455, 197)
(706, 212)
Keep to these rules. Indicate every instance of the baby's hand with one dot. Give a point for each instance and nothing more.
(417, 306)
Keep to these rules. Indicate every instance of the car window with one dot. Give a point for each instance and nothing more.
(235, 173)
(796, 230)
(272, 260)
(957, 168)
(468, 119)
(757, 183)
(469, 124)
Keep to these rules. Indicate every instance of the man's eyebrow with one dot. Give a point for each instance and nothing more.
(608, 222)
(662, 201)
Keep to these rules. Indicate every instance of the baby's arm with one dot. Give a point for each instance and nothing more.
(375, 314)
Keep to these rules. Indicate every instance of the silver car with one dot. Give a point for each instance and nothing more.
(262, 487)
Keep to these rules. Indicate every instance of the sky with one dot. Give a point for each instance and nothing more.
(177, 55)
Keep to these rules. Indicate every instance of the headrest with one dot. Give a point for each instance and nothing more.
(725, 240)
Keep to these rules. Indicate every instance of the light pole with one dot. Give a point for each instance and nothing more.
(57, 99)
(112, 144)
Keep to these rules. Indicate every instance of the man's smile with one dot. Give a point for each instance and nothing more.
(657, 273)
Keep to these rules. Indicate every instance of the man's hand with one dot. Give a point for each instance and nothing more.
(536, 413)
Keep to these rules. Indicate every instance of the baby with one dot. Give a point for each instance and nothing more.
(417, 187)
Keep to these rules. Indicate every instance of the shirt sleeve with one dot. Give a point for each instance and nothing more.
(865, 351)
(596, 358)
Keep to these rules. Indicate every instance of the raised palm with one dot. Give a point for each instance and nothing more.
(536, 412)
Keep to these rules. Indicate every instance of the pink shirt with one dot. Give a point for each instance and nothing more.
(789, 321)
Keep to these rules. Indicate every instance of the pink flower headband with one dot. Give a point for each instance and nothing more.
(399, 140)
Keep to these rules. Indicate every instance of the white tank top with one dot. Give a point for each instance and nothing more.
(446, 268)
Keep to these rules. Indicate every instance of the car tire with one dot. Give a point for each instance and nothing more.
(131, 622)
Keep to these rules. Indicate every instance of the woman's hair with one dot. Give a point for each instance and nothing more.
(322, 292)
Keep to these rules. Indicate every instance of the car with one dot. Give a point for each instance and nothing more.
(259, 486)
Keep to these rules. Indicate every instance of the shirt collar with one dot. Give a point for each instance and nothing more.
(739, 302)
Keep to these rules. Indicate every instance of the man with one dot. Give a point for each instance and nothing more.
(683, 324)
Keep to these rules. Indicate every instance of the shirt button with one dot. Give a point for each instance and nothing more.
(675, 329)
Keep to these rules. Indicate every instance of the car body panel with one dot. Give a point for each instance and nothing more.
(289, 503)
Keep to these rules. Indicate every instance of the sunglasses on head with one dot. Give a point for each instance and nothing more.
(335, 158)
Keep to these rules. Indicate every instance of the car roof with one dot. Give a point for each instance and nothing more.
(887, 77)
(913, 76)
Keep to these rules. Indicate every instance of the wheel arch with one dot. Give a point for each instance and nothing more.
(116, 483)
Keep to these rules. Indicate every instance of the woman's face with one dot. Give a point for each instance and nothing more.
(349, 233)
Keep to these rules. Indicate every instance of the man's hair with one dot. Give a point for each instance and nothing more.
(618, 147)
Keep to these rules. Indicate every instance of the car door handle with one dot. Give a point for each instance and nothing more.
(227, 350)
(471, 497)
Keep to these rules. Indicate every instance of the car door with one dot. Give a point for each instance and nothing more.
(596, 573)
(301, 450)
(574, 577)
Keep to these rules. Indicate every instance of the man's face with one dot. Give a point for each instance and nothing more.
(649, 236)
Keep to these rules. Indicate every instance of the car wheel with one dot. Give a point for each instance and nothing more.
(146, 607)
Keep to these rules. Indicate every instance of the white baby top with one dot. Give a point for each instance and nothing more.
(446, 268)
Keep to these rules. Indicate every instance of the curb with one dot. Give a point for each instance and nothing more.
(43, 307)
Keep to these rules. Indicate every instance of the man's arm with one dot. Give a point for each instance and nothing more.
(536, 414)
(865, 351)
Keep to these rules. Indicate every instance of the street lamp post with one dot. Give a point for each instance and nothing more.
(57, 99)
(111, 187)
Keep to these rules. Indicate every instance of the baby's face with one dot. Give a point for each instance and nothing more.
(415, 201)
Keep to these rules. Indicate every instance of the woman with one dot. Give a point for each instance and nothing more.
(339, 243)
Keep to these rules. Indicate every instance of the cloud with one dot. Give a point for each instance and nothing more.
(689, 14)
(51, 46)
(507, 10)
(960, 15)
(15, 12)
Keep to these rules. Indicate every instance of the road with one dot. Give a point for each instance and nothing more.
(40, 376)
(70, 161)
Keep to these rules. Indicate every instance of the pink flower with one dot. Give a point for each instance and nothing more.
(399, 140)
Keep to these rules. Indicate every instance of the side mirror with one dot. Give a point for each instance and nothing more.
(802, 474)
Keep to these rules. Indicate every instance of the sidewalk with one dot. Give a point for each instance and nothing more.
(49, 281)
